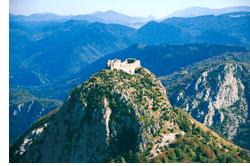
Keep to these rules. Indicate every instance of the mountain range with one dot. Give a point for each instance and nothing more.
(173, 56)
(167, 59)
(202, 11)
(215, 92)
(202, 62)
(45, 52)
(108, 17)
(118, 117)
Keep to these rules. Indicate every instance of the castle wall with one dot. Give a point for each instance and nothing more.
(125, 66)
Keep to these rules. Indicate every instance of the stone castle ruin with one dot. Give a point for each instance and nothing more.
(128, 66)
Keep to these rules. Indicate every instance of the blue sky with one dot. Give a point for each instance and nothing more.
(158, 8)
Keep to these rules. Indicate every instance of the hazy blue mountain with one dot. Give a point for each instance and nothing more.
(51, 54)
(108, 17)
(56, 50)
(201, 11)
(38, 17)
(161, 59)
(43, 54)
(50, 17)
(52, 51)
(118, 18)
(230, 29)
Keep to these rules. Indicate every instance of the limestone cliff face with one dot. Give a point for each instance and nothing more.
(223, 99)
(24, 109)
(118, 117)
(215, 92)
(114, 113)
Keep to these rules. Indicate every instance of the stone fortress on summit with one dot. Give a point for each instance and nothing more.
(128, 66)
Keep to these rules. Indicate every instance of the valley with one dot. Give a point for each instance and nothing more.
(187, 101)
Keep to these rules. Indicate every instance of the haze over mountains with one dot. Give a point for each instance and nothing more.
(201, 11)
(99, 16)
(198, 54)
(44, 50)
(111, 16)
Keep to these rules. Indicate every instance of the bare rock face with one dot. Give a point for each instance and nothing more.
(24, 109)
(229, 87)
(215, 92)
(112, 114)
(118, 117)
(229, 92)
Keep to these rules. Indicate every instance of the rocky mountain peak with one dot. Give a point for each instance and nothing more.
(122, 112)
(114, 116)
(215, 92)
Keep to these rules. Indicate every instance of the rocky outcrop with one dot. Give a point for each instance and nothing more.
(24, 109)
(114, 116)
(215, 93)
(103, 118)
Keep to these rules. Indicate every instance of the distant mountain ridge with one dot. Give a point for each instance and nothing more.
(60, 48)
(118, 18)
(111, 16)
(169, 58)
(230, 28)
(52, 54)
(166, 59)
(201, 11)
(108, 17)
(52, 51)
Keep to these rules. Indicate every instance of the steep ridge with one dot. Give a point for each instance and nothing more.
(67, 47)
(118, 117)
(160, 59)
(216, 93)
(230, 29)
(166, 58)
(24, 109)
(201, 11)
(56, 50)
(111, 17)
